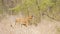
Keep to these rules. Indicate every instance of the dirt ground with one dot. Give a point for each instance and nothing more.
(46, 26)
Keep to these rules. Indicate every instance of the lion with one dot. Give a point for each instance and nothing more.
(23, 21)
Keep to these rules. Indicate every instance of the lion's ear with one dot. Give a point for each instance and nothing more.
(31, 15)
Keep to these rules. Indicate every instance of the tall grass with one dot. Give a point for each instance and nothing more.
(33, 7)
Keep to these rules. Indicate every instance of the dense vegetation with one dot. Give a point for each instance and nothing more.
(37, 8)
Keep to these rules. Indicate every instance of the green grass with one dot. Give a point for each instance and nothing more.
(33, 7)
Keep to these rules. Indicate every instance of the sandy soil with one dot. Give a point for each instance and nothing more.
(45, 27)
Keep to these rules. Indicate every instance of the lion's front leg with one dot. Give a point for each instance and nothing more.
(26, 23)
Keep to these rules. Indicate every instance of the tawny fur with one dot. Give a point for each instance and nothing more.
(24, 21)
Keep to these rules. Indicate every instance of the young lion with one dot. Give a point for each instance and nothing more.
(24, 21)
